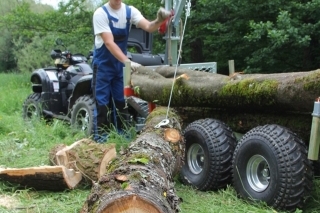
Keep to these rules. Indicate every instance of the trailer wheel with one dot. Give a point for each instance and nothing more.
(32, 107)
(82, 114)
(270, 164)
(208, 155)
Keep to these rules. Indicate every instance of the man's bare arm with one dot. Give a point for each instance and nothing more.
(151, 26)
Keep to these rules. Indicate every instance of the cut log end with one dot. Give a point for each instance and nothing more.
(52, 154)
(110, 154)
(131, 204)
(172, 135)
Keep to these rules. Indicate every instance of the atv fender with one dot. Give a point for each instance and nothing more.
(41, 80)
(82, 87)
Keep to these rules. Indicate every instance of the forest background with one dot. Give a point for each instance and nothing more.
(261, 37)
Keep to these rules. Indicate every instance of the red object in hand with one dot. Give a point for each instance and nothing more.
(164, 25)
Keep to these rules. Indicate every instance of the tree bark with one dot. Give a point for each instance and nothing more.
(52, 178)
(86, 156)
(82, 160)
(294, 91)
(141, 178)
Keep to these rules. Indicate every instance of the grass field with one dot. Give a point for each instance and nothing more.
(28, 144)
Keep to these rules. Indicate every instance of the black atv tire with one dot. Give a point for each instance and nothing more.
(82, 114)
(31, 108)
(208, 155)
(270, 164)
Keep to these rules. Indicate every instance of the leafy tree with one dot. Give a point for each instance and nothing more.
(289, 41)
(7, 61)
(71, 22)
(264, 36)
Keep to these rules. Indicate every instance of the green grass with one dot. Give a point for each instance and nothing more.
(27, 144)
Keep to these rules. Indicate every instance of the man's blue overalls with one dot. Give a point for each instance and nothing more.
(107, 82)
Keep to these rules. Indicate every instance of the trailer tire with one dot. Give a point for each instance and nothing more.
(270, 164)
(82, 114)
(208, 155)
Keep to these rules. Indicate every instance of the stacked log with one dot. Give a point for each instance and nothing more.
(242, 101)
(291, 91)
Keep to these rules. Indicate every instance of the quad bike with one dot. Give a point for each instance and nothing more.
(64, 91)
(53, 86)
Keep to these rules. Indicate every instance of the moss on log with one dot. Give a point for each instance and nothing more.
(85, 156)
(141, 178)
(295, 91)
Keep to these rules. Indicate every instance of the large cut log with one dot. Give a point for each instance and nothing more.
(84, 159)
(52, 178)
(141, 178)
(85, 156)
(295, 91)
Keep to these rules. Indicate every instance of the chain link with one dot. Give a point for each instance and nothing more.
(188, 8)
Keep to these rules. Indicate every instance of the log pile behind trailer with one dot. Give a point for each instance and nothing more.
(242, 101)
(295, 91)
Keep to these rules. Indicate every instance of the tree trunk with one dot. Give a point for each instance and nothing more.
(52, 178)
(141, 178)
(294, 91)
(86, 156)
(82, 160)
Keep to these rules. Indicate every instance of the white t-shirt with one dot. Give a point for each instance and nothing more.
(101, 21)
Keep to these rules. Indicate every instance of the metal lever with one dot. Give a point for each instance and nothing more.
(162, 123)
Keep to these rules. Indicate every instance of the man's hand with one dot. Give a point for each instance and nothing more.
(134, 66)
(162, 14)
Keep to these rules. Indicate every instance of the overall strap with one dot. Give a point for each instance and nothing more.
(128, 9)
(109, 16)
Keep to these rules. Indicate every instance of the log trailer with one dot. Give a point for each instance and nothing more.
(269, 163)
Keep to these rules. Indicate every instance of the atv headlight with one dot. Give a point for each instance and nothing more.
(57, 61)
(62, 61)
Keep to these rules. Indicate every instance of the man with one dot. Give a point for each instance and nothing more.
(111, 24)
